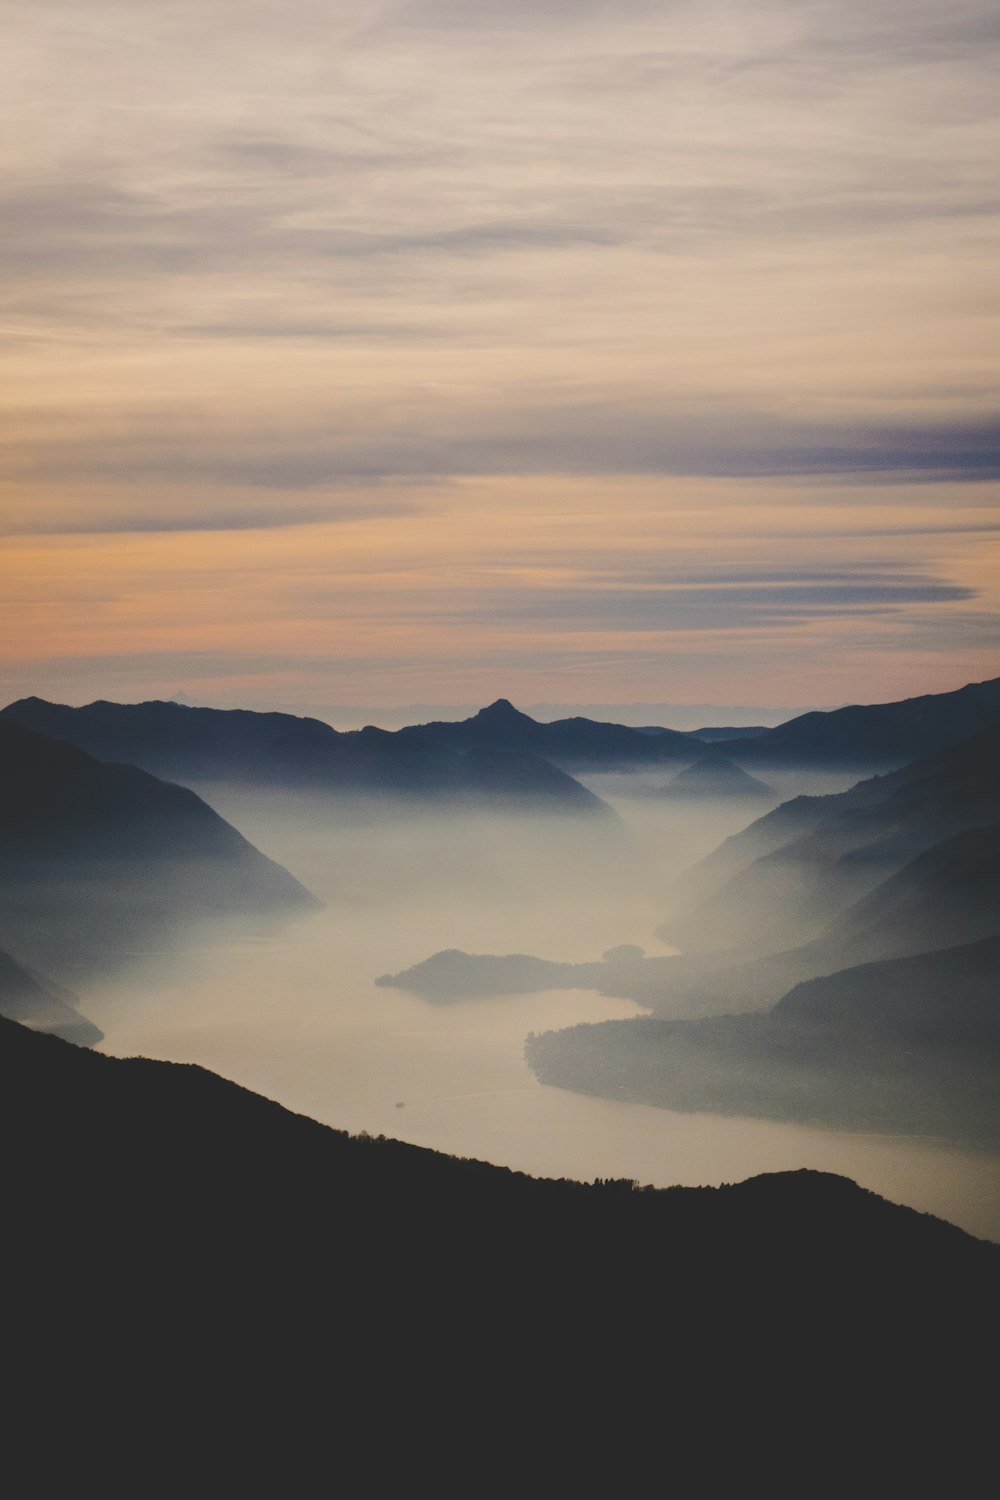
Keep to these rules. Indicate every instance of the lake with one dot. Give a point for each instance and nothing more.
(294, 1013)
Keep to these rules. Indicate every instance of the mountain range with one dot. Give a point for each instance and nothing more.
(877, 736)
(576, 744)
(202, 746)
(215, 1293)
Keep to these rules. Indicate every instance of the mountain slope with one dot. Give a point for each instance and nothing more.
(792, 871)
(38, 1003)
(877, 735)
(905, 1045)
(714, 775)
(949, 997)
(949, 894)
(95, 858)
(243, 1287)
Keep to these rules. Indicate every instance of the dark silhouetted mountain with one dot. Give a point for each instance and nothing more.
(202, 746)
(910, 1044)
(94, 858)
(575, 744)
(714, 775)
(878, 735)
(783, 879)
(257, 1300)
(42, 1004)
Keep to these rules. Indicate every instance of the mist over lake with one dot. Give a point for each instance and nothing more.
(293, 1010)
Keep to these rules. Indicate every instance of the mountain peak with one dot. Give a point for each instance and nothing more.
(715, 774)
(502, 712)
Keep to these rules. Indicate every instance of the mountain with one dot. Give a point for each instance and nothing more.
(782, 880)
(41, 1004)
(906, 1045)
(797, 912)
(96, 858)
(575, 744)
(274, 750)
(714, 775)
(949, 894)
(950, 997)
(257, 1300)
(876, 736)
(507, 780)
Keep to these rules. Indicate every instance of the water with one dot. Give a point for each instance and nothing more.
(294, 1014)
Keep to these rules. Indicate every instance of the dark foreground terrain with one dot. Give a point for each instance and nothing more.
(206, 1294)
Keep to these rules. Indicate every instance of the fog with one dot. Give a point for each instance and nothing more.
(292, 1010)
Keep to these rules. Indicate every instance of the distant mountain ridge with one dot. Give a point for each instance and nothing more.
(187, 743)
(575, 744)
(875, 736)
(271, 750)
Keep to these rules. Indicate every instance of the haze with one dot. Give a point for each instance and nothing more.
(294, 1011)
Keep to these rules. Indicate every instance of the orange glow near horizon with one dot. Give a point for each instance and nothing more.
(540, 588)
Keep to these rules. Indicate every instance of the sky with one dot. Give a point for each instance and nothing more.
(442, 350)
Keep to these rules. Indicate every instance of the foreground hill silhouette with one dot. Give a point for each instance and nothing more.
(248, 1297)
(281, 751)
(874, 736)
(97, 859)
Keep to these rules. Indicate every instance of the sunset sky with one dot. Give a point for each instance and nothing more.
(578, 350)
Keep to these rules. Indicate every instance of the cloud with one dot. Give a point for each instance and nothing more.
(270, 265)
(291, 451)
(683, 609)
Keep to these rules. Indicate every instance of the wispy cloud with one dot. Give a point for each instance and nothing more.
(279, 266)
